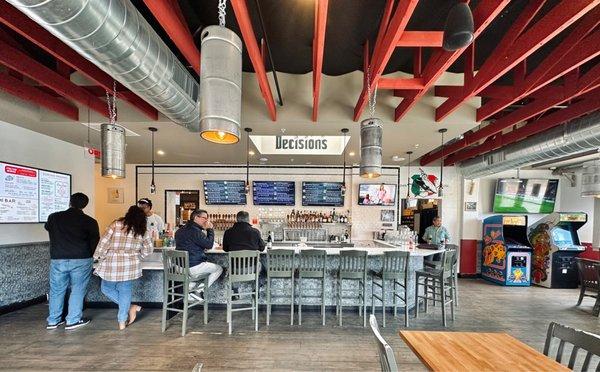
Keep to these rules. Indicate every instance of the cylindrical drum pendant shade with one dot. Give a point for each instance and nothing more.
(112, 138)
(220, 85)
(590, 179)
(371, 133)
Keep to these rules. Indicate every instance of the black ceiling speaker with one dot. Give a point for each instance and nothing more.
(458, 31)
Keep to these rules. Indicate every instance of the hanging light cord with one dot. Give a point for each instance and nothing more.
(152, 158)
(373, 95)
(247, 158)
(442, 167)
(112, 104)
(408, 177)
(344, 171)
(222, 7)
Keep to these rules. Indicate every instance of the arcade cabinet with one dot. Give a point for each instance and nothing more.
(555, 245)
(506, 256)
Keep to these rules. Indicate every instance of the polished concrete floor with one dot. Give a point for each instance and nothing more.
(521, 312)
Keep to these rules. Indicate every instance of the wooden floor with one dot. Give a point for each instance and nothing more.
(521, 312)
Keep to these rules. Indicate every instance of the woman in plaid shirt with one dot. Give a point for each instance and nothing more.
(119, 253)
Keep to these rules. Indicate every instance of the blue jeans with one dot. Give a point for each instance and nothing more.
(119, 293)
(65, 273)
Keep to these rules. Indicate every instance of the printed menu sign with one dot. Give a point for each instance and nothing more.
(29, 195)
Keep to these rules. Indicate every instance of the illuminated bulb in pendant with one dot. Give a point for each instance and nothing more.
(114, 176)
(221, 135)
(370, 175)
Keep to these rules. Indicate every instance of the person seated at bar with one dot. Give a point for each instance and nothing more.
(120, 252)
(73, 238)
(154, 222)
(196, 236)
(242, 236)
(436, 233)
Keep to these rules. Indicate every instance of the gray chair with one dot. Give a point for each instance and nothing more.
(353, 266)
(312, 264)
(437, 264)
(280, 265)
(581, 340)
(386, 354)
(176, 281)
(395, 269)
(244, 267)
(437, 282)
(589, 279)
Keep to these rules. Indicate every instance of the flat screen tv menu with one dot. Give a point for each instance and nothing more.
(322, 194)
(225, 192)
(274, 192)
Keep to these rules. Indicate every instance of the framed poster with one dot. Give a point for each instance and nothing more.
(388, 215)
(470, 206)
(116, 195)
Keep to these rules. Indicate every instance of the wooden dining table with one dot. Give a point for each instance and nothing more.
(474, 351)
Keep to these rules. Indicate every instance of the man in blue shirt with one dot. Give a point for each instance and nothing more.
(436, 234)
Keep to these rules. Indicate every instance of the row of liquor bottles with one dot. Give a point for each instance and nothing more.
(317, 217)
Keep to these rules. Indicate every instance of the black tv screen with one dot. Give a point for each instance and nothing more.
(517, 195)
(225, 192)
(376, 194)
(327, 194)
(274, 192)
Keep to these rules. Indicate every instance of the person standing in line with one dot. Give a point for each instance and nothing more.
(154, 223)
(196, 236)
(120, 252)
(73, 237)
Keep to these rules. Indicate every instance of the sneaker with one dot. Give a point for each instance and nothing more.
(56, 325)
(82, 322)
(196, 297)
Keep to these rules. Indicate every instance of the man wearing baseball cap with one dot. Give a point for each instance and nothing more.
(155, 224)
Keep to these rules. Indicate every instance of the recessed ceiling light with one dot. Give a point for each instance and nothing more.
(160, 152)
(250, 152)
(308, 163)
(292, 160)
(263, 159)
(461, 136)
(216, 162)
(397, 158)
(552, 168)
(351, 153)
(417, 145)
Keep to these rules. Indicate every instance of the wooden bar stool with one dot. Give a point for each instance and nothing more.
(280, 265)
(176, 281)
(244, 267)
(395, 269)
(312, 265)
(353, 266)
(437, 282)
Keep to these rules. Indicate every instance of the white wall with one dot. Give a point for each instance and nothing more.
(571, 201)
(25, 147)
(597, 223)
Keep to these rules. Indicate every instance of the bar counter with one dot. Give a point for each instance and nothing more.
(149, 289)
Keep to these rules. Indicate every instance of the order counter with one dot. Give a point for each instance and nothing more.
(148, 290)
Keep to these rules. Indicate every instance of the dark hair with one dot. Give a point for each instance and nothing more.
(145, 201)
(196, 213)
(437, 218)
(79, 200)
(135, 220)
(243, 216)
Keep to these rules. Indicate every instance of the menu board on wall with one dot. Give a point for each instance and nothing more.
(274, 192)
(322, 194)
(225, 192)
(29, 195)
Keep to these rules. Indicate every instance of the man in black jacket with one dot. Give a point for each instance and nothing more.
(73, 239)
(195, 237)
(242, 236)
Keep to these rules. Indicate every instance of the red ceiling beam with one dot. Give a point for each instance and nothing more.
(20, 23)
(26, 92)
(441, 60)
(588, 82)
(560, 61)
(558, 18)
(243, 18)
(432, 39)
(399, 84)
(318, 48)
(168, 14)
(24, 64)
(383, 51)
(589, 104)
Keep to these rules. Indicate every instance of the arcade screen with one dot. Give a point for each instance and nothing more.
(376, 194)
(274, 192)
(322, 194)
(225, 192)
(30, 195)
(562, 237)
(515, 195)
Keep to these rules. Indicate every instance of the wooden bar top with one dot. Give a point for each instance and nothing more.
(473, 351)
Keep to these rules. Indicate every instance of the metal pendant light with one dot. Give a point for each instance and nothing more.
(459, 28)
(371, 134)
(441, 187)
(590, 179)
(344, 132)
(112, 142)
(248, 131)
(409, 153)
(220, 83)
(152, 184)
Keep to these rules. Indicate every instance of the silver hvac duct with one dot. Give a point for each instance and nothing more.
(578, 136)
(114, 36)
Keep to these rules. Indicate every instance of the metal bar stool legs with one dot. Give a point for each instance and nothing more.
(353, 266)
(395, 270)
(244, 267)
(312, 265)
(280, 265)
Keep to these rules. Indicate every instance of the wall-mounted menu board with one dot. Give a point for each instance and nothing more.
(30, 195)
(274, 192)
(322, 194)
(225, 192)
